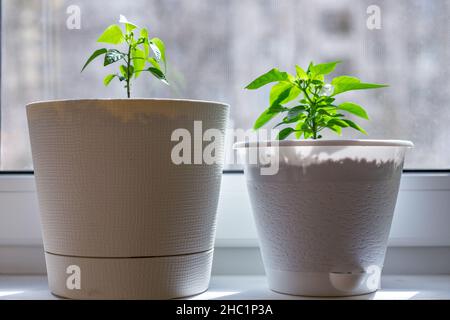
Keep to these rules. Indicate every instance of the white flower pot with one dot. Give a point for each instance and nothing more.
(119, 218)
(323, 219)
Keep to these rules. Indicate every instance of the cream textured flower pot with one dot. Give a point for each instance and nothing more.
(119, 218)
(323, 219)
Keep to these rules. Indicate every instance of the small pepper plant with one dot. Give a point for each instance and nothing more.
(141, 53)
(316, 108)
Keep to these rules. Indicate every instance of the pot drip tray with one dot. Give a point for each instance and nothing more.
(129, 278)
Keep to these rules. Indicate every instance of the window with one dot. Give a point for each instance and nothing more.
(216, 47)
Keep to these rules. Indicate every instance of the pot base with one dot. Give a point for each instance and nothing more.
(321, 284)
(129, 278)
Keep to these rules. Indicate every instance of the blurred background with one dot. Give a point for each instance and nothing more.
(216, 47)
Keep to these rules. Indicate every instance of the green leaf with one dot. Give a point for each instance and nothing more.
(97, 53)
(293, 117)
(318, 77)
(265, 117)
(129, 26)
(328, 108)
(295, 91)
(108, 79)
(301, 74)
(355, 126)
(336, 129)
(337, 122)
(158, 45)
(145, 44)
(154, 63)
(307, 134)
(277, 90)
(299, 129)
(295, 112)
(158, 74)
(347, 83)
(323, 68)
(326, 100)
(156, 51)
(113, 35)
(287, 120)
(283, 134)
(112, 56)
(324, 111)
(355, 109)
(283, 92)
(273, 75)
(283, 95)
(139, 58)
(278, 108)
(124, 71)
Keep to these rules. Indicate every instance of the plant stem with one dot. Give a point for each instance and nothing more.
(313, 124)
(128, 71)
(307, 96)
(314, 129)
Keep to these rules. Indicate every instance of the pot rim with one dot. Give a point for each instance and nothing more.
(107, 100)
(323, 143)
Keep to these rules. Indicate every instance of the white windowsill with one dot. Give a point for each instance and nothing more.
(394, 287)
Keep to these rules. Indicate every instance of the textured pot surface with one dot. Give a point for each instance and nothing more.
(133, 278)
(324, 219)
(108, 188)
(103, 167)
